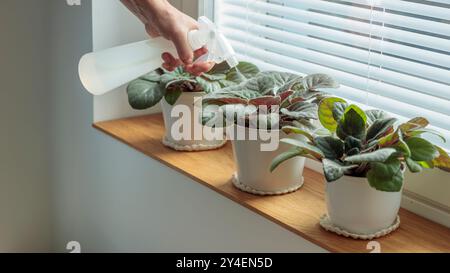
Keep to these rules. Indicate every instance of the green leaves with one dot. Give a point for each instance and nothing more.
(332, 148)
(173, 95)
(352, 124)
(413, 166)
(375, 114)
(379, 128)
(308, 147)
(421, 149)
(326, 115)
(386, 176)
(143, 94)
(333, 170)
(316, 81)
(377, 156)
(298, 131)
(242, 72)
(292, 94)
(367, 144)
(285, 156)
(149, 89)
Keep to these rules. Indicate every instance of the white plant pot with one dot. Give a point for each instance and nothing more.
(354, 206)
(190, 143)
(253, 167)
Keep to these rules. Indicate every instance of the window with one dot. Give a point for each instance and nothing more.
(391, 54)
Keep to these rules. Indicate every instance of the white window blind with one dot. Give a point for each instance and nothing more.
(389, 54)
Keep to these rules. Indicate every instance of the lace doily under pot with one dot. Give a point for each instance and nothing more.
(192, 148)
(326, 223)
(248, 189)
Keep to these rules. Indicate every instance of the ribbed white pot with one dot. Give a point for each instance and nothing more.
(253, 167)
(189, 143)
(356, 207)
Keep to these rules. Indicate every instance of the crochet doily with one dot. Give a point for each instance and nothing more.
(325, 222)
(192, 148)
(248, 189)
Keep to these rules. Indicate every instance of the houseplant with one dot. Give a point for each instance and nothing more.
(364, 158)
(258, 108)
(179, 88)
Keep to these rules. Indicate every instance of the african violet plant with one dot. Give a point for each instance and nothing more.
(291, 98)
(366, 144)
(149, 89)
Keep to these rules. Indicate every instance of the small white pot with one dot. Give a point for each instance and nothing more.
(190, 143)
(356, 207)
(253, 167)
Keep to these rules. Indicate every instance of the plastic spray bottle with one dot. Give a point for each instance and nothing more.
(103, 71)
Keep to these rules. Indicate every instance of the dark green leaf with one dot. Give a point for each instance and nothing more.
(144, 94)
(353, 151)
(173, 95)
(379, 127)
(331, 147)
(421, 149)
(351, 143)
(387, 177)
(352, 124)
(339, 110)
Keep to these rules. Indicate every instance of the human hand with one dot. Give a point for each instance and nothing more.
(162, 19)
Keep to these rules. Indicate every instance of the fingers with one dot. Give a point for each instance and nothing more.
(170, 62)
(199, 68)
(200, 52)
(183, 48)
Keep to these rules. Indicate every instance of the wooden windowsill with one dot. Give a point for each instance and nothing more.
(298, 212)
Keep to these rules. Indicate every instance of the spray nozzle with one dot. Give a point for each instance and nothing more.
(219, 49)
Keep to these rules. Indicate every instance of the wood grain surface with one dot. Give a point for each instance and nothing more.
(298, 212)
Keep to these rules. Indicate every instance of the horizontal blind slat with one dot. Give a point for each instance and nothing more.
(411, 7)
(425, 86)
(380, 16)
(405, 66)
(236, 17)
(438, 119)
(347, 24)
(395, 56)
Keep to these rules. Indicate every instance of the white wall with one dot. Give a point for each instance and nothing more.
(112, 198)
(24, 131)
(114, 25)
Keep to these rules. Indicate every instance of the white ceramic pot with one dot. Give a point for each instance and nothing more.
(358, 208)
(253, 167)
(190, 143)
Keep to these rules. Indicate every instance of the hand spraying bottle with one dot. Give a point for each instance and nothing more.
(106, 70)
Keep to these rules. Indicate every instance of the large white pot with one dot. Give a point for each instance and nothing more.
(356, 207)
(188, 144)
(253, 167)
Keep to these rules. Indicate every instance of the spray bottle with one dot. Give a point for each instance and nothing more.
(106, 70)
